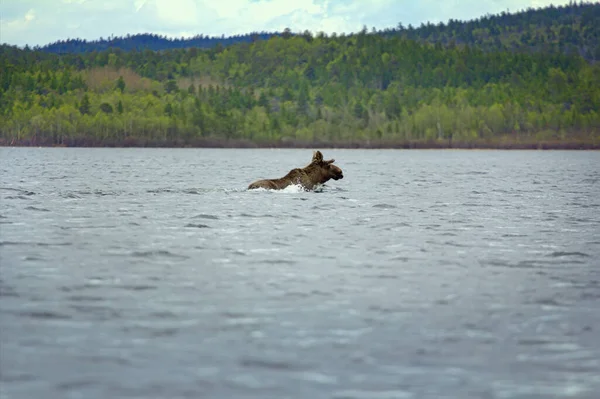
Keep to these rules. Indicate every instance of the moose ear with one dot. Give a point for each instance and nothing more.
(317, 156)
(330, 161)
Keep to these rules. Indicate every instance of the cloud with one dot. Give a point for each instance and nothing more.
(177, 11)
(29, 16)
(38, 22)
(17, 25)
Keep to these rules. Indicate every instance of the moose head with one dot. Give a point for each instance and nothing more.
(324, 170)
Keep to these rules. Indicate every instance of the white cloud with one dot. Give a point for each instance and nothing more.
(38, 22)
(30, 16)
(177, 11)
(138, 4)
(17, 26)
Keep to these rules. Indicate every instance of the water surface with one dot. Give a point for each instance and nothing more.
(153, 273)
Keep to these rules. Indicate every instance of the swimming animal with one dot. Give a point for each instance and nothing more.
(312, 175)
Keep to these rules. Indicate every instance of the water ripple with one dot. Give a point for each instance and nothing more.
(157, 254)
(35, 208)
(45, 315)
(197, 225)
(384, 206)
(33, 244)
(273, 364)
(559, 254)
(206, 216)
(18, 190)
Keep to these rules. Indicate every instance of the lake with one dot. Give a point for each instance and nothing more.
(154, 273)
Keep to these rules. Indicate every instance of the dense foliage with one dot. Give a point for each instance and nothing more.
(363, 89)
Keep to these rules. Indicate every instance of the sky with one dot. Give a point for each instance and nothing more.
(39, 22)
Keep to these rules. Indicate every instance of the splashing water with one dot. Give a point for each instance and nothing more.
(294, 188)
(291, 189)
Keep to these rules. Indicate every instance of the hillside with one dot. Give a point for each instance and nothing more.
(572, 29)
(367, 89)
(148, 41)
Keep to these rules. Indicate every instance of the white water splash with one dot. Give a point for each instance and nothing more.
(291, 189)
(294, 189)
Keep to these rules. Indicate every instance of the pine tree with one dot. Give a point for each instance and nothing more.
(120, 85)
(84, 106)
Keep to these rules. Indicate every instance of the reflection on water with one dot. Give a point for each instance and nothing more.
(423, 274)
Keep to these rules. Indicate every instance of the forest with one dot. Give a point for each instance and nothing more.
(524, 80)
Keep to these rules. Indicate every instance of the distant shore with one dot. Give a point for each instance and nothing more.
(372, 144)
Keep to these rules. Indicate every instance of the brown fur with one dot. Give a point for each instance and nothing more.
(317, 172)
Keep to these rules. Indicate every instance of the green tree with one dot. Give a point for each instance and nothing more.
(120, 85)
(168, 110)
(106, 108)
(171, 86)
(84, 106)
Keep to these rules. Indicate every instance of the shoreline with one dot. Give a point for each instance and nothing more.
(291, 144)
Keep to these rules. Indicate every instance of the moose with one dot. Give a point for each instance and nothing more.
(312, 175)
